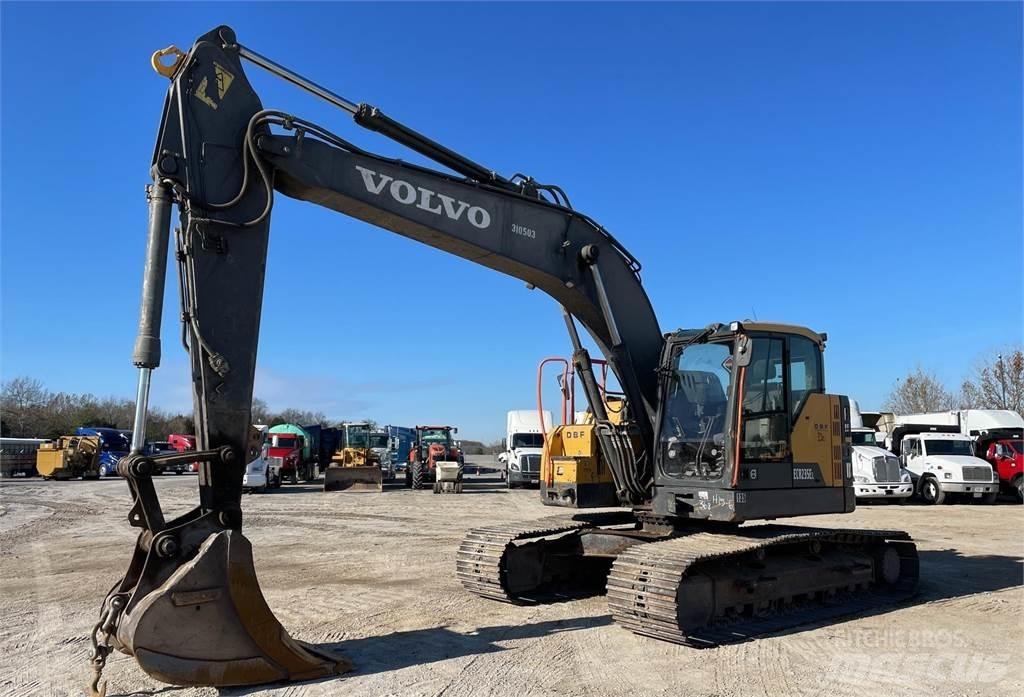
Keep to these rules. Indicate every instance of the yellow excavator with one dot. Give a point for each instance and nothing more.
(721, 427)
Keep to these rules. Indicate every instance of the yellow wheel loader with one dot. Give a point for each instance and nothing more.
(355, 466)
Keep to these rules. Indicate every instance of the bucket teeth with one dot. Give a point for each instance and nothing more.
(224, 632)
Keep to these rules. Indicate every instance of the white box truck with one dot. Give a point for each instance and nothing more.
(941, 460)
(877, 473)
(524, 445)
(996, 434)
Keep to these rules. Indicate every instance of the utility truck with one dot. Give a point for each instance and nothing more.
(524, 446)
(996, 434)
(942, 462)
(877, 473)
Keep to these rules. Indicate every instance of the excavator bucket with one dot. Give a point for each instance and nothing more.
(362, 478)
(208, 624)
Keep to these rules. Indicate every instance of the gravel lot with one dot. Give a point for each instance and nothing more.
(373, 576)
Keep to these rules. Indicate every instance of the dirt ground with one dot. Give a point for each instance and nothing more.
(372, 575)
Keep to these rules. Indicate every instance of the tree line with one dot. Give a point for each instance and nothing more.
(29, 410)
(996, 381)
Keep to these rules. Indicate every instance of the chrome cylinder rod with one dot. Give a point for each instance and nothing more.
(146, 356)
(141, 409)
(297, 80)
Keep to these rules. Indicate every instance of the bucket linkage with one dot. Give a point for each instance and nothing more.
(190, 609)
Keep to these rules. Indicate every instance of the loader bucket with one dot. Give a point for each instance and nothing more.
(339, 478)
(208, 624)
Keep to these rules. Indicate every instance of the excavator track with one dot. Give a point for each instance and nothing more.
(482, 565)
(707, 588)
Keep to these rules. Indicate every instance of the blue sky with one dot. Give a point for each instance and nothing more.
(852, 167)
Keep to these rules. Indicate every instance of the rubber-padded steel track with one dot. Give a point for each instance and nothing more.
(643, 583)
(480, 561)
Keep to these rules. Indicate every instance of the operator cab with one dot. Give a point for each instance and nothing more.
(743, 407)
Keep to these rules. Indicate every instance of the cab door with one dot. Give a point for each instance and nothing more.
(912, 458)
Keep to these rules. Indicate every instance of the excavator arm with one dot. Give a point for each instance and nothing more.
(220, 157)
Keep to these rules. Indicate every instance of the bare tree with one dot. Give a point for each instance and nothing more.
(22, 403)
(297, 416)
(260, 411)
(27, 409)
(918, 392)
(996, 382)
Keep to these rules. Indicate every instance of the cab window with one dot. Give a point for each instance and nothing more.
(765, 419)
(804, 372)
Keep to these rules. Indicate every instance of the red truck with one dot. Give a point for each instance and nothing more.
(182, 442)
(1006, 455)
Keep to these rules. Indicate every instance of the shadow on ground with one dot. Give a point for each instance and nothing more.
(380, 654)
(945, 574)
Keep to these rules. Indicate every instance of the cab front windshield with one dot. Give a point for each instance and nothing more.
(948, 446)
(358, 437)
(435, 435)
(694, 415)
(379, 440)
(289, 442)
(527, 440)
(864, 438)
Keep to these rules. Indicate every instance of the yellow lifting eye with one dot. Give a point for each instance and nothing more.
(167, 69)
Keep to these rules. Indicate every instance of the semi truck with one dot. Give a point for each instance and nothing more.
(524, 446)
(941, 461)
(877, 473)
(399, 442)
(997, 437)
(182, 442)
(114, 445)
(295, 451)
(380, 447)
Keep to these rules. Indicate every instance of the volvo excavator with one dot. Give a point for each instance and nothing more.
(722, 425)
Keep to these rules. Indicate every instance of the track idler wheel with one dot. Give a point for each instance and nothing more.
(208, 624)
